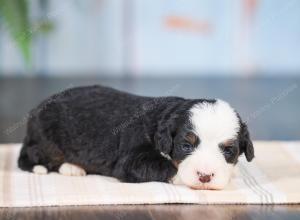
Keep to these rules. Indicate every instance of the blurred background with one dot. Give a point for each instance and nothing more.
(246, 52)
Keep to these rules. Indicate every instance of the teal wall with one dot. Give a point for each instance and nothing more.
(170, 37)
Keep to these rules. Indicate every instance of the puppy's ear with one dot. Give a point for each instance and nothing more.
(246, 145)
(164, 135)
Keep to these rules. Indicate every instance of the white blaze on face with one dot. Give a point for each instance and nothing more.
(213, 123)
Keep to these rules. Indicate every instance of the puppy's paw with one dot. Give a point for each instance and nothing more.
(39, 169)
(176, 180)
(69, 169)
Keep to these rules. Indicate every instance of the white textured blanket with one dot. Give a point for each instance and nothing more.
(272, 178)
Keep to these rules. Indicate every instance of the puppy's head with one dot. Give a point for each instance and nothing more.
(206, 144)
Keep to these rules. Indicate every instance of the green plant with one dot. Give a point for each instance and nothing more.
(15, 17)
(14, 14)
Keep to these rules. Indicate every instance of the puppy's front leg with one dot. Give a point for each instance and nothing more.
(146, 166)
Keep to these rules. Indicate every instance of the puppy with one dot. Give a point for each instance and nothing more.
(99, 130)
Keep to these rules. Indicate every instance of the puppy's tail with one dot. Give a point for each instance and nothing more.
(24, 161)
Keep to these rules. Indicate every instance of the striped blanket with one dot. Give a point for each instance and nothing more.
(272, 178)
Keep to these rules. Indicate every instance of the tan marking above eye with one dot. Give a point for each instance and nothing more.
(228, 143)
(191, 138)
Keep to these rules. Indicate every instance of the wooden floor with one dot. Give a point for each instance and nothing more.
(154, 212)
(263, 100)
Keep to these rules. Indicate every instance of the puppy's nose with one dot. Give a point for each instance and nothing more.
(205, 178)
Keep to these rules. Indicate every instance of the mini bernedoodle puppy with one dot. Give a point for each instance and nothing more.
(99, 130)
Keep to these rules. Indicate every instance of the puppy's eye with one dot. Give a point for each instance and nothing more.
(228, 150)
(187, 147)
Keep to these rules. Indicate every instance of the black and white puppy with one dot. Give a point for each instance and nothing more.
(99, 130)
